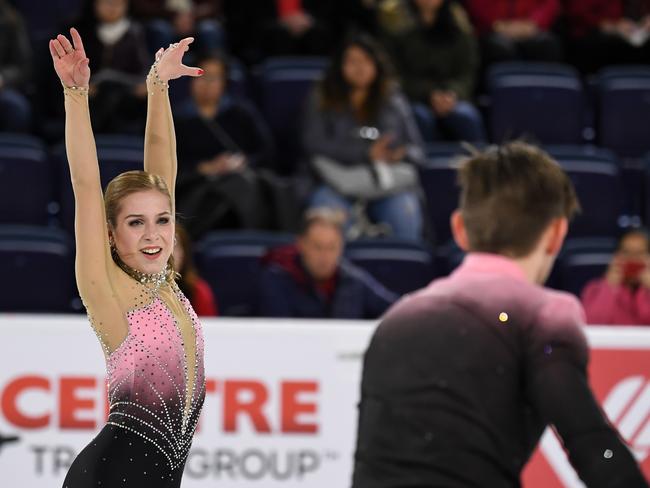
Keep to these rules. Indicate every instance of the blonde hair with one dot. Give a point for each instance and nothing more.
(126, 184)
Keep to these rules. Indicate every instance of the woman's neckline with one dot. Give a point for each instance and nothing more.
(156, 280)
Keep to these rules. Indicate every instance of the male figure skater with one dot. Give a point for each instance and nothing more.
(461, 378)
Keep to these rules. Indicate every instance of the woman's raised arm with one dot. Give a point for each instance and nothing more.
(160, 138)
(93, 251)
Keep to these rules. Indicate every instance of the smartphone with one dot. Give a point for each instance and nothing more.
(632, 268)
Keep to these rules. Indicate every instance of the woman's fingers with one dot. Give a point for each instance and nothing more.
(65, 43)
(76, 39)
(53, 50)
(185, 43)
(191, 71)
(58, 47)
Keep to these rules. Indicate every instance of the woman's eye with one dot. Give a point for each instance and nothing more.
(163, 220)
(133, 223)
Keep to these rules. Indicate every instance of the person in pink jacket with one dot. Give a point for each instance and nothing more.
(622, 296)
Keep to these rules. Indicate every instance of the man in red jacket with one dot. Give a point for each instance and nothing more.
(516, 29)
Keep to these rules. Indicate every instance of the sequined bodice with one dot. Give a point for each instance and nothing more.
(150, 390)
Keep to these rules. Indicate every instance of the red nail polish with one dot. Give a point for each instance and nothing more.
(200, 71)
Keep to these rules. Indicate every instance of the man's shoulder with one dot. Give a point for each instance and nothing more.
(561, 306)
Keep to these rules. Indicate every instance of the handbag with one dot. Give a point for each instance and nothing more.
(366, 181)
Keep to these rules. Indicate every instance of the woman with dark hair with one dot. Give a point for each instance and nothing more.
(151, 336)
(437, 60)
(362, 141)
(196, 289)
(622, 296)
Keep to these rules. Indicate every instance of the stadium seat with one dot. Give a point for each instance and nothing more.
(438, 180)
(230, 263)
(595, 174)
(26, 187)
(624, 110)
(400, 266)
(581, 261)
(38, 268)
(44, 19)
(116, 154)
(284, 84)
(542, 101)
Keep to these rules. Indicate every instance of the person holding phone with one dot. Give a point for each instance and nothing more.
(622, 296)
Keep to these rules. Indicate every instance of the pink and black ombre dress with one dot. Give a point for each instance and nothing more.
(156, 388)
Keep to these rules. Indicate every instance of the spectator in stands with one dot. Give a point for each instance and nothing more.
(605, 32)
(622, 296)
(279, 28)
(516, 29)
(222, 142)
(310, 279)
(15, 59)
(191, 284)
(116, 44)
(168, 21)
(362, 141)
(437, 60)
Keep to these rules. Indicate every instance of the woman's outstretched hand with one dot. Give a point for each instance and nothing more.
(169, 62)
(70, 62)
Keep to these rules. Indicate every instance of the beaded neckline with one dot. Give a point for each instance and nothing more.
(156, 279)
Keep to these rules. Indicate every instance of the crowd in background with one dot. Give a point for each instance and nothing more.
(357, 135)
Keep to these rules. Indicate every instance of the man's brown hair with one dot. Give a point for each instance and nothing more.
(509, 195)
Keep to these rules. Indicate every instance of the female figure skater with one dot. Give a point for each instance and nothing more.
(149, 332)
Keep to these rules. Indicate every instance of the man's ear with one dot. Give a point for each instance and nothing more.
(458, 230)
(555, 235)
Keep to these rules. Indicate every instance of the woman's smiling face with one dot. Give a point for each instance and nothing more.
(144, 231)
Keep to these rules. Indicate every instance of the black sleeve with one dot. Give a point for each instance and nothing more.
(557, 387)
(258, 144)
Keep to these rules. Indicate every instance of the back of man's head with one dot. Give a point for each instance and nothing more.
(510, 195)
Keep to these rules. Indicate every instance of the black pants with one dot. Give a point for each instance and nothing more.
(598, 49)
(120, 458)
(545, 46)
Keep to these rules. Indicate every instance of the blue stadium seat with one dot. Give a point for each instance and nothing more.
(38, 267)
(581, 261)
(438, 180)
(119, 141)
(596, 176)
(25, 180)
(44, 19)
(542, 101)
(230, 263)
(284, 84)
(624, 109)
(400, 266)
(19, 139)
(116, 155)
